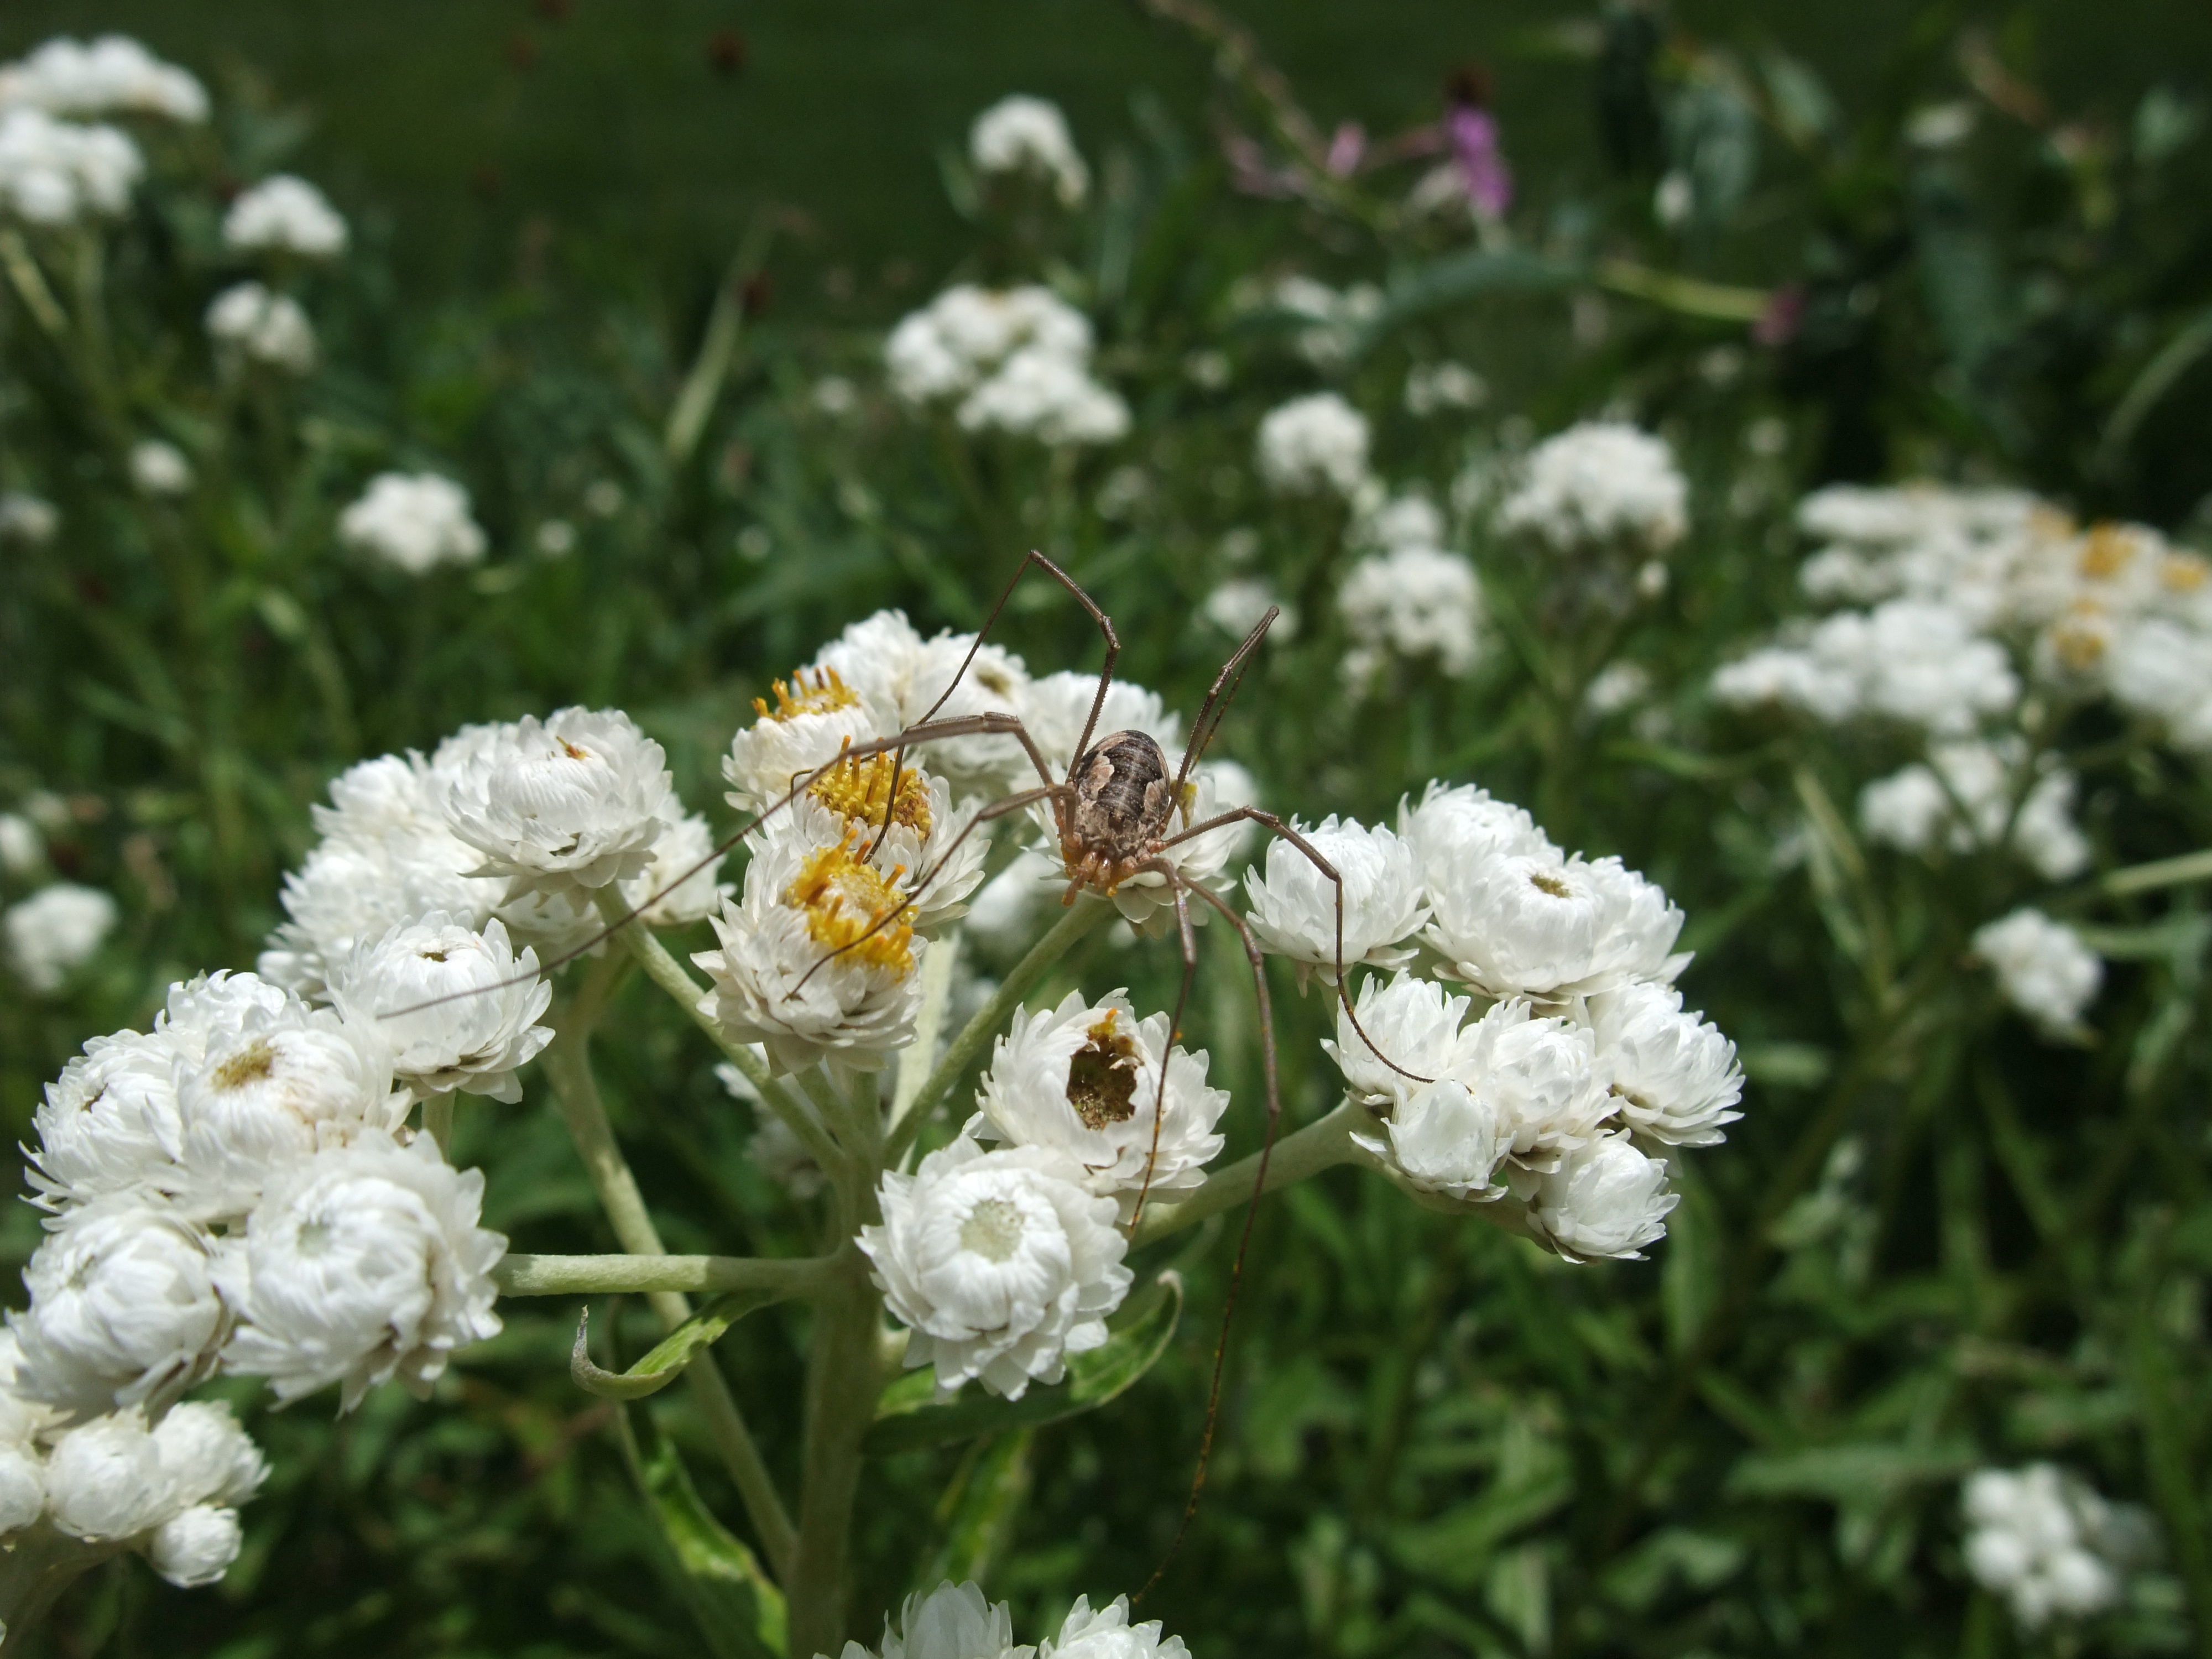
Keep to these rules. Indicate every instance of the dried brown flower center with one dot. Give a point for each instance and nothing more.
(1544, 882)
(252, 1063)
(1101, 1079)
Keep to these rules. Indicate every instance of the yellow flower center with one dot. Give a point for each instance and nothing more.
(845, 898)
(2184, 573)
(2080, 638)
(860, 792)
(2108, 551)
(820, 694)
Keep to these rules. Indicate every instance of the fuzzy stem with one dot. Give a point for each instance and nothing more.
(38, 1566)
(567, 1063)
(438, 1120)
(842, 1381)
(648, 1274)
(1298, 1155)
(1087, 914)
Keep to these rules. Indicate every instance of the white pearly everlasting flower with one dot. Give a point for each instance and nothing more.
(1606, 1199)
(207, 1457)
(196, 1545)
(123, 1305)
(1417, 601)
(1107, 1634)
(2042, 1540)
(818, 957)
(815, 716)
(932, 853)
(363, 1264)
(1673, 1076)
(414, 522)
(248, 322)
(159, 468)
(563, 805)
(286, 214)
(1601, 484)
(1967, 797)
(999, 1264)
(681, 885)
(1317, 444)
(26, 520)
(1540, 1076)
(54, 931)
(274, 1085)
(1546, 927)
(2163, 670)
(23, 849)
(1053, 709)
(1411, 1025)
(950, 1622)
(1236, 606)
(1019, 362)
(1459, 827)
(2042, 966)
(1045, 395)
(109, 1123)
(113, 74)
(1920, 662)
(899, 678)
(1083, 1081)
(1028, 136)
(60, 173)
(105, 1480)
(22, 1485)
(1295, 906)
(458, 1008)
(1441, 1137)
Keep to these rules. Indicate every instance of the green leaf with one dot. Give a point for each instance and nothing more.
(976, 1517)
(908, 1417)
(1848, 1474)
(737, 1605)
(666, 1361)
(1448, 281)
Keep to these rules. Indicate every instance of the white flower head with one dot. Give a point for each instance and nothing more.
(458, 1008)
(950, 1622)
(272, 1086)
(1673, 1076)
(206, 1456)
(1417, 601)
(363, 1264)
(196, 1545)
(1021, 134)
(1107, 1634)
(1083, 1080)
(105, 1479)
(931, 851)
(2162, 669)
(158, 468)
(248, 322)
(28, 520)
(1601, 484)
(2042, 966)
(819, 956)
(2042, 1540)
(23, 849)
(61, 172)
(1457, 829)
(1054, 708)
(999, 1264)
(1295, 905)
(285, 214)
(22, 1485)
(1416, 1026)
(113, 74)
(682, 883)
(1018, 360)
(1443, 1137)
(414, 522)
(563, 805)
(1048, 395)
(1606, 1199)
(816, 717)
(1313, 444)
(55, 931)
(1550, 927)
(123, 1306)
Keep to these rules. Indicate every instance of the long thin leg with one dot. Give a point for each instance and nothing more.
(1268, 820)
(1189, 938)
(1254, 955)
(1216, 705)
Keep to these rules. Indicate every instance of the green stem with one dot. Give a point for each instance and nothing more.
(1298, 1155)
(842, 1381)
(648, 1274)
(438, 1120)
(567, 1063)
(1087, 914)
(38, 1565)
(2165, 872)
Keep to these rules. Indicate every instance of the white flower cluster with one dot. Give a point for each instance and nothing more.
(1973, 795)
(1018, 361)
(955, 1621)
(1329, 320)
(159, 468)
(252, 324)
(1600, 484)
(1313, 444)
(2042, 966)
(59, 173)
(28, 520)
(1023, 137)
(1412, 598)
(2052, 1548)
(54, 931)
(413, 521)
(111, 75)
(287, 215)
(1985, 590)
(1563, 1102)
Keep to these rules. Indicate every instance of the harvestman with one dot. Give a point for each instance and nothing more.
(1114, 814)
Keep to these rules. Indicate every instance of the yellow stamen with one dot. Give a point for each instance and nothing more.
(2184, 573)
(2080, 639)
(2109, 550)
(859, 791)
(844, 898)
(820, 694)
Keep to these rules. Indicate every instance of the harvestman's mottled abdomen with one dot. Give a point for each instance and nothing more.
(1121, 802)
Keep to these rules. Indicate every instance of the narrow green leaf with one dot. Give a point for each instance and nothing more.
(977, 1515)
(907, 1416)
(666, 1361)
(738, 1607)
